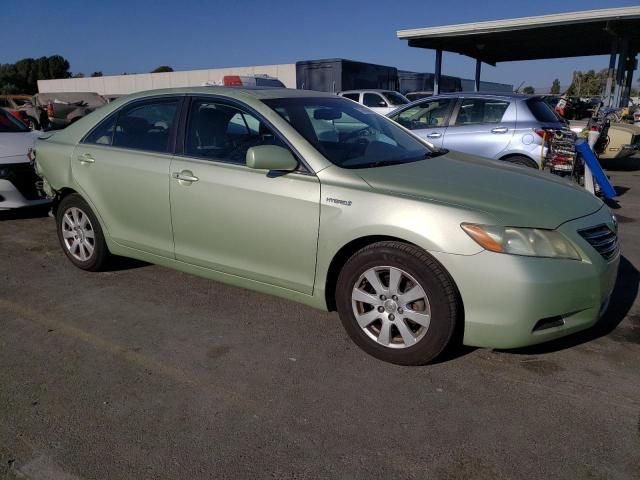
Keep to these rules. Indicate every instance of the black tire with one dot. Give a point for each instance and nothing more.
(32, 123)
(99, 257)
(442, 296)
(522, 161)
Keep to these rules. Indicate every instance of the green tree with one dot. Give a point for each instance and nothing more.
(555, 87)
(528, 90)
(588, 84)
(162, 68)
(97, 74)
(23, 76)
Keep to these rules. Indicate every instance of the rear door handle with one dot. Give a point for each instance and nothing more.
(185, 176)
(86, 158)
(434, 135)
(499, 130)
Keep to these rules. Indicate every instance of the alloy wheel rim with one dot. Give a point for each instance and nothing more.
(77, 234)
(391, 307)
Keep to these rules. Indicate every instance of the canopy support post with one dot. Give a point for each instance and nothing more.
(438, 71)
(608, 94)
(476, 85)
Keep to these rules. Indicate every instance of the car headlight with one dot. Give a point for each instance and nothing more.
(533, 242)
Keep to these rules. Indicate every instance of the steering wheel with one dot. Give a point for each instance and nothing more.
(358, 133)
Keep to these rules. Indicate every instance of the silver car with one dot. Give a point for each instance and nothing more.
(498, 126)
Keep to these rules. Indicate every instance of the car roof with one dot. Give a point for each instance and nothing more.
(365, 90)
(258, 93)
(498, 95)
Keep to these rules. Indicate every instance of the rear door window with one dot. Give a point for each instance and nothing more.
(475, 111)
(146, 126)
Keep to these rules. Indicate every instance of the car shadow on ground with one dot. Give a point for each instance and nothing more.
(24, 213)
(628, 164)
(622, 299)
(117, 264)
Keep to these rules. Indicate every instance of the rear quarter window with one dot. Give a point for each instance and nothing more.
(541, 111)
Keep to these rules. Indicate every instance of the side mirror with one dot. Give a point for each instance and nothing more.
(271, 157)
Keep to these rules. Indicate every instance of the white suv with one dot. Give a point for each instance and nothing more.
(381, 101)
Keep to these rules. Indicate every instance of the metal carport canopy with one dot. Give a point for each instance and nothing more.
(533, 38)
(613, 31)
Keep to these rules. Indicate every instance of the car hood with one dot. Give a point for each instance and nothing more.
(517, 196)
(16, 144)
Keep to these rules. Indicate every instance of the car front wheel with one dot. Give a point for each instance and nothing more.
(397, 303)
(80, 234)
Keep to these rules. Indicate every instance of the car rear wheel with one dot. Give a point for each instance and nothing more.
(397, 303)
(80, 234)
(522, 161)
(32, 123)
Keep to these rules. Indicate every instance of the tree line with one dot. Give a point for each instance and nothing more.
(23, 76)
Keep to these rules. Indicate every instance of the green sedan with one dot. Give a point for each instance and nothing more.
(319, 200)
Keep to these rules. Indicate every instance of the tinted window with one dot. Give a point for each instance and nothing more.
(103, 133)
(541, 110)
(373, 100)
(428, 114)
(146, 126)
(352, 96)
(350, 135)
(481, 110)
(223, 132)
(9, 123)
(395, 98)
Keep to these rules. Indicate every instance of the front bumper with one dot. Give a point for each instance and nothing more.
(508, 298)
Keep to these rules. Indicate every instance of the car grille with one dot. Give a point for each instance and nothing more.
(603, 239)
(24, 178)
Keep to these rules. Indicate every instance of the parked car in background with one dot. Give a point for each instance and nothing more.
(19, 185)
(380, 101)
(249, 187)
(13, 103)
(575, 108)
(251, 81)
(506, 127)
(57, 110)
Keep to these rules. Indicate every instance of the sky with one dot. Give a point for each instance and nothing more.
(135, 36)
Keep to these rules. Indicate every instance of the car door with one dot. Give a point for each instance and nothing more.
(122, 168)
(230, 218)
(482, 126)
(427, 119)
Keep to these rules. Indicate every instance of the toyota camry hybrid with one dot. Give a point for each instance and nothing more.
(317, 199)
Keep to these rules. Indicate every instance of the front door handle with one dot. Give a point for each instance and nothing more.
(185, 176)
(86, 158)
(434, 135)
(499, 130)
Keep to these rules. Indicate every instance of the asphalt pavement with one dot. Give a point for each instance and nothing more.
(143, 372)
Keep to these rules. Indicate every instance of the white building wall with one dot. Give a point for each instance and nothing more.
(124, 84)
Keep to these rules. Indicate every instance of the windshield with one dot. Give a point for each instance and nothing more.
(395, 98)
(348, 134)
(9, 123)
